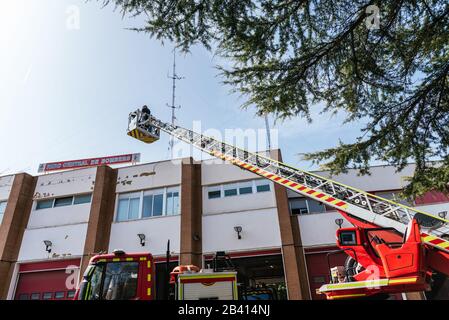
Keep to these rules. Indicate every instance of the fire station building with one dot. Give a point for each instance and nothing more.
(52, 224)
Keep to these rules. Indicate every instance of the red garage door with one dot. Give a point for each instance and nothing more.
(318, 270)
(47, 280)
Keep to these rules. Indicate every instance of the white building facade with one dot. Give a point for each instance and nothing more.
(52, 224)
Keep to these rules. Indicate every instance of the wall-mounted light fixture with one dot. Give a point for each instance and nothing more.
(196, 237)
(142, 239)
(48, 245)
(339, 222)
(442, 214)
(238, 229)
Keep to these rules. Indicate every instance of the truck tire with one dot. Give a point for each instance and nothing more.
(352, 267)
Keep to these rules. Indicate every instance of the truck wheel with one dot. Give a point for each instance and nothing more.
(352, 267)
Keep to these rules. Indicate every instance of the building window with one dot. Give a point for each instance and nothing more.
(71, 294)
(241, 188)
(172, 203)
(315, 206)
(83, 198)
(61, 202)
(246, 187)
(262, 185)
(59, 295)
(298, 206)
(158, 205)
(128, 206)
(147, 206)
(47, 295)
(35, 296)
(154, 203)
(263, 188)
(133, 212)
(64, 201)
(2, 210)
(44, 204)
(23, 296)
(304, 206)
(230, 190)
(214, 192)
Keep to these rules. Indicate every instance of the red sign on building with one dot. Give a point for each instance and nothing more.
(91, 162)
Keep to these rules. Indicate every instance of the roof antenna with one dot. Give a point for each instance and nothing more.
(174, 76)
(267, 128)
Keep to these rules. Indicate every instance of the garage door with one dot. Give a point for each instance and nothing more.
(47, 281)
(318, 270)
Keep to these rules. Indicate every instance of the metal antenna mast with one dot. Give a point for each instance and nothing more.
(174, 77)
(267, 126)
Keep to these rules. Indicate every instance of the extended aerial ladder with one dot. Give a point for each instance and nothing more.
(357, 206)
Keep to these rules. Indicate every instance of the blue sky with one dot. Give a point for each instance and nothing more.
(66, 93)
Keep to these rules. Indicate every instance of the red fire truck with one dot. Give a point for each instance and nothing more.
(392, 248)
(130, 276)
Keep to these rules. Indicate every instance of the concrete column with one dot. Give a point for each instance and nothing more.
(292, 250)
(191, 213)
(13, 226)
(101, 214)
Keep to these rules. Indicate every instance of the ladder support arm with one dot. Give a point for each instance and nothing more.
(365, 206)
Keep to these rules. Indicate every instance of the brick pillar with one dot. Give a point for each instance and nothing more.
(13, 226)
(292, 251)
(191, 213)
(101, 214)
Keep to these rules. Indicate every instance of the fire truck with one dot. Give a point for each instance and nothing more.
(130, 276)
(391, 248)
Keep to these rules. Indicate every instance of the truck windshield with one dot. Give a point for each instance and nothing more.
(120, 282)
(95, 282)
(114, 281)
(386, 235)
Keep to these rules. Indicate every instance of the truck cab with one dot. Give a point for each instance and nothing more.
(386, 263)
(130, 276)
(118, 276)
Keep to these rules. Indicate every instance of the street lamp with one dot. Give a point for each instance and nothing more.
(142, 239)
(339, 222)
(238, 229)
(48, 245)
